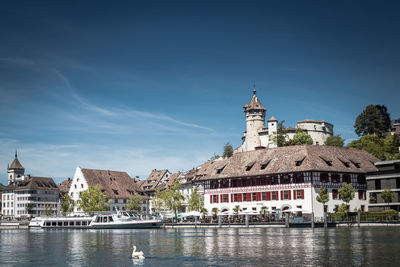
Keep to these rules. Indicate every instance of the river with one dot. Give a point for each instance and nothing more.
(365, 246)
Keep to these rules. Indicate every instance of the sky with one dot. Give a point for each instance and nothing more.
(141, 85)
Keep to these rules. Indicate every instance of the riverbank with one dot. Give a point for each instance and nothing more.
(14, 225)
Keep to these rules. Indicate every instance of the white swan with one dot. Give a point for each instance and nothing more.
(137, 255)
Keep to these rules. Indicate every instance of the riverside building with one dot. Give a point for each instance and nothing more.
(285, 178)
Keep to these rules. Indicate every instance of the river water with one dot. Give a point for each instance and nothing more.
(374, 246)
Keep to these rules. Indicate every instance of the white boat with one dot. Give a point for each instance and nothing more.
(119, 220)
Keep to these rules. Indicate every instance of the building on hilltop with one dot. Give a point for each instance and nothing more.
(386, 177)
(28, 196)
(285, 178)
(257, 135)
(117, 185)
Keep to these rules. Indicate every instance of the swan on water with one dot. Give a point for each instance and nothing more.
(138, 254)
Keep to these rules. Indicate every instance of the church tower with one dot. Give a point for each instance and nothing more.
(15, 171)
(255, 122)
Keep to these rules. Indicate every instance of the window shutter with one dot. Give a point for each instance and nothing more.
(294, 194)
(221, 197)
(290, 191)
(239, 197)
(248, 196)
(281, 195)
(302, 194)
(211, 199)
(268, 195)
(217, 198)
(231, 197)
(258, 196)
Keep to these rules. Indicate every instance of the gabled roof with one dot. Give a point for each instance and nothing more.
(170, 181)
(289, 159)
(65, 185)
(153, 180)
(272, 119)
(254, 104)
(16, 164)
(116, 184)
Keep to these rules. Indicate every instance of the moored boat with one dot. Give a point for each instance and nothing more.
(105, 220)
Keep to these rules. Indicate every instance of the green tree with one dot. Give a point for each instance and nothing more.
(48, 209)
(173, 198)
(264, 210)
(384, 148)
(203, 211)
(335, 140)
(28, 208)
(214, 157)
(346, 192)
(323, 196)
(157, 202)
(67, 204)
(300, 138)
(281, 135)
(373, 120)
(93, 199)
(134, 203)
(196, 201)
(215, 212)
(228, 150)
(387, 195)
(343, 208)
(237, 209)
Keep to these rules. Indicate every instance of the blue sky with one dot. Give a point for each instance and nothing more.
(136, 86)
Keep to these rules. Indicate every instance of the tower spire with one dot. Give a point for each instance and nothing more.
(254, 89)
(16, 154)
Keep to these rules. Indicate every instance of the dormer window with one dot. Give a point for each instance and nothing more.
(264, 164)
(345, 163)
(356, 164)
(250, 165)
(300, 161)
(327, 161)
(219, 170)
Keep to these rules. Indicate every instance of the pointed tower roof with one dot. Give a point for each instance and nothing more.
(272, 119)
(16, 164)
(254, 103)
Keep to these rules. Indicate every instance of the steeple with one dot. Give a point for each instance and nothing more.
(254, 104)
(15, 170)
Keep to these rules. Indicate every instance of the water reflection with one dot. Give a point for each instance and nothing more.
(199, 247)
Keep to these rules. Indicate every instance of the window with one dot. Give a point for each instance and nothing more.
(224, 198)
(356, 164)
(361, 179)
(254, 196)
(264, 164)
(327, 161)
(213, 198)
(219, 170)
(346, 178)
(298, 178)
(298, 194)
(285, 179)
(345, 163)
(324, 177)
(335, 194)
(285, 194)
(361, 194)
(75, 186)
(250, 165)
(81, 185)
(398, 183)
(115, 200)
(263, 195)
(335, 178)
(274, 195)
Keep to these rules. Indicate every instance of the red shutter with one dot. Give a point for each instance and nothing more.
(211, 199)
(281, 195)
(268, 195)
(248, 196)
(258, 196)
(221, 198)
(239, 197)
(231, 197)
(217, 198)
(302, 194)
(294, 194)
(290, 192)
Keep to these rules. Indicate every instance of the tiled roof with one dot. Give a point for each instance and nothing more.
(153, 180)
(116, 184)
(289, 159)
(313, 121)
(254, 104)
(272, 119)
(170, 181)
(34, 183)
(65, 185)
(16, 164)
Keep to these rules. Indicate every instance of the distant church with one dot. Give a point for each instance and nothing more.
(258, 136)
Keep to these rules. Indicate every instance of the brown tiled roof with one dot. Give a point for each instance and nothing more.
(254, 104)
(34, 183)
(315, 121)
(170, 181)
(116, 184)
(284, 159)
(272, 119)
(65, 185)
(153, 180)
(16, 164)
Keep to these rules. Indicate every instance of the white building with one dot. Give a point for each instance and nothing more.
(118, 186)
(285, 178)
(257, 135)
(28, 196)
